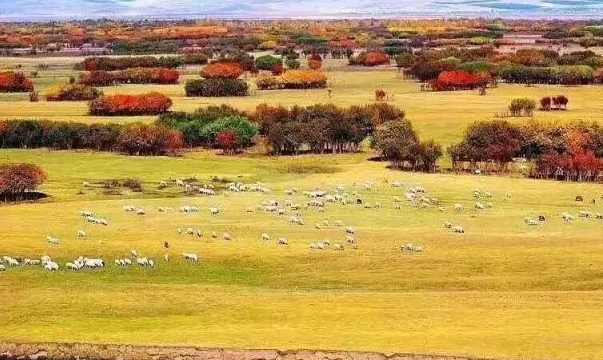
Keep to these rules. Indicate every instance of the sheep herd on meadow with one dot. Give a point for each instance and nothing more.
(295, 205)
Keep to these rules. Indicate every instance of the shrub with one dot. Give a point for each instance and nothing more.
(269, 82)
(315, 62)
(131, 76)
(34, 96)
(222, 70)
(522, 106)
(18, 179)
(292, 64)
(216, 87)
(277, 69)
(304, 79)
(372, 58)
(459, 80)
(119, 105)
(195, 59)
(267, 62)
(75, 92)
(560, 102)
(15, 82)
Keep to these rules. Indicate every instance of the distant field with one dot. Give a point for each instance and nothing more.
(442, 116)
(503, 290)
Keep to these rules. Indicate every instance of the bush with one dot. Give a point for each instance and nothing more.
(244, 130)
(304, 79)
(523, 106)
(315, 62)
(372, 58)
(195, 59)
(460, 80)
(15, 82)
(216, 87)
(125, 105)
(130, 76)
(18, 179)
(269, 82)
(222, 70)
(292, 64)
(75, 92)
(267, 62)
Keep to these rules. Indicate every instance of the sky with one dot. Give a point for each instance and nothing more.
(265, 9)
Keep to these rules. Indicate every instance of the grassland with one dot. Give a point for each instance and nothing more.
(504, 290)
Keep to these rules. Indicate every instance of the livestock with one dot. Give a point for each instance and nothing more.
(265, 237)
(283, 241)
(226, 236)
(458, 230)
(214, 211)
(191, 257)
(81, 233)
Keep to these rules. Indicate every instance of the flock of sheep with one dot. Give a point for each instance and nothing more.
(319, 200)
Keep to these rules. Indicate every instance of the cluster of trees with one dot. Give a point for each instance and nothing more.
(293, 79)
(211, 127)
(11, 81)
(320, 128)
(17, 180)
(134, 139)
(220, 78)
(398, 143)
(460, 80)
(130, 76)
(568, 151)
(370, 58)
(125, 105)
(72, 92)
(558, 102)
(123, 63)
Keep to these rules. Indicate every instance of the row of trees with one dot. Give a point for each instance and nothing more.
(568, 151)
(123, 63)
(130, 76)
(126, 105)
(133, 139)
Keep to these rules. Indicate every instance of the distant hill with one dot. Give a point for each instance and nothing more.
(163, 9)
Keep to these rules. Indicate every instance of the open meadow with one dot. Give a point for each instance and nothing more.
(504, 289)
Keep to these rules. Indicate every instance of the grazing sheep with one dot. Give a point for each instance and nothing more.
(585, 214)
(568, 217)
(51, 240)
(2, 268)
(81, 233)
(214, 211)
(166, 257)
(447, 225)
(134, 253)
(530, 222)
(51, 266)
(140, 212)
(479, 206)
(129, 208)
(350, 230)
(226, 236)
(338, 247)
(350, 239)
(191, 257)
(265, 237)
(283, 241)
(459, 207)
(214, 235)
(458, 230)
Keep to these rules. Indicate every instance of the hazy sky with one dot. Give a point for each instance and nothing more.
(40, 9)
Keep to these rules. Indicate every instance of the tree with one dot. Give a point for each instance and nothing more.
(16, 180)
(228, 142)
(395, 141)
